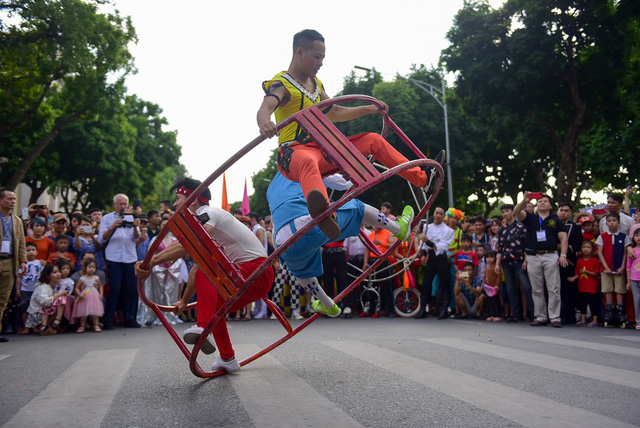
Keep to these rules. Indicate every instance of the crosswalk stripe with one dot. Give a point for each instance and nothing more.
(518, 406)
(273, 396)
(89, 384)
(629, 338)
(586, 345)
(2, 357)
(621, 377)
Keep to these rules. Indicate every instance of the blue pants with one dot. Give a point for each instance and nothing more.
(511, 271)
(123, 287)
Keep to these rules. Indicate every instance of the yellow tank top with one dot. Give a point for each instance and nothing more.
(300, 99)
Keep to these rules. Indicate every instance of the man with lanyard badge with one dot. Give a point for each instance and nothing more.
(545, 231)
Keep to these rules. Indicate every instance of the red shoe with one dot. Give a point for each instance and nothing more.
(363, 315)
(375, 315)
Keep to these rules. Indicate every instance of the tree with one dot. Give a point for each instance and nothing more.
(58, 61)
(540, 78)
(125, 152)
(260, 181)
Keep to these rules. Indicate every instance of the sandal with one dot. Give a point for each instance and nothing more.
(246, 318)
(24, 330)
(55, 323)
(80, 330)
(97, 329)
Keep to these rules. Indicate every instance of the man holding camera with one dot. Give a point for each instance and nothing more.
(118, 234)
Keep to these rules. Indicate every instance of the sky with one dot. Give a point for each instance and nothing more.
(203, 62)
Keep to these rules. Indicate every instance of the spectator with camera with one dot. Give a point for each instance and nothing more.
(545, 232)
(118, 234)
(468, 293)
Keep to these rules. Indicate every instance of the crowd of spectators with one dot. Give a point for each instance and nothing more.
(534, 263)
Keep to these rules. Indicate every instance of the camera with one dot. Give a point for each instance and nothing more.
(86, 229)
(127, 220)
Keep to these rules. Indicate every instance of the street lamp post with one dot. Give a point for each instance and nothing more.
(440, 96)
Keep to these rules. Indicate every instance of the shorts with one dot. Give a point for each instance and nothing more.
(304, 258)
(471, 309)
(613, 283)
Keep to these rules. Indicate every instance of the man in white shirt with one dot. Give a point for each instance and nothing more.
(119, 232)
(435, 241)
(241, 247)
(614, 205)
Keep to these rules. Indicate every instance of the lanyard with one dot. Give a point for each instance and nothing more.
(540, 219)
(6, 227)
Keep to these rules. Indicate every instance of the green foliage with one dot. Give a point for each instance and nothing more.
(260, 181)
(65, 121)
(127, 152)
(547, 83)
(61, 61)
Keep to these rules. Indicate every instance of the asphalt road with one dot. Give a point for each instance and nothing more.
(336, 373)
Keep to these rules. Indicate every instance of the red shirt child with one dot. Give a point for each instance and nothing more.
(465, 254)
(587, 272)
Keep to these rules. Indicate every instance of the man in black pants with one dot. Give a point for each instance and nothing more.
(435, 241)
(334, 264)
(569, 290)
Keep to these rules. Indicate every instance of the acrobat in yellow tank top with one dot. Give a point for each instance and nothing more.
(300, 99)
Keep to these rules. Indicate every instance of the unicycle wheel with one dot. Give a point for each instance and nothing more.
(406, 302)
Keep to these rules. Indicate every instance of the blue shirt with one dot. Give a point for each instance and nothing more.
(121, 247)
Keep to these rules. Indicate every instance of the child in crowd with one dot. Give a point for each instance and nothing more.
(481, 251)
(464, 254)
(86, 242)
(633, 273)
(587, 268)
(45, 245)
(45, 303)
(90, 292)
(62, 244)
(66, 283)
(491, 287)
(586, 223)
(494, 228)
(28, 280)
(613, 256)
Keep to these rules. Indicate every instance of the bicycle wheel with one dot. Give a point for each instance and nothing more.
(406, 302)
(370, 301)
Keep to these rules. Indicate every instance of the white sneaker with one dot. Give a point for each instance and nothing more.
(273, 317)
(191, 336)
(229, 366)
(296, 315)
(346, 311)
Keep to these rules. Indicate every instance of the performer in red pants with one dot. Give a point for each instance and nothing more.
(241, 247)
(289, 92)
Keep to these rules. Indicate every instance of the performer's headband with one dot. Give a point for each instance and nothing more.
(187, 192)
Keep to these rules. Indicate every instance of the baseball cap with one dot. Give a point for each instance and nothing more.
(59, 217)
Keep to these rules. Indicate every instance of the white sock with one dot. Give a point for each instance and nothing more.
(373, 217)
(313, 287)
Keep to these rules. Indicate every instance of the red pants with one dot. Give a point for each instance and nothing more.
(209, 301)
(308, 164)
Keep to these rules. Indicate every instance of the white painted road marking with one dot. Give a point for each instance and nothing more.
(621, 377)
(586, 345)
(518, 406)
(81, 395)
(274, 396)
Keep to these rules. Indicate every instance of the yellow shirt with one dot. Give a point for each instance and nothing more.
(300, 98)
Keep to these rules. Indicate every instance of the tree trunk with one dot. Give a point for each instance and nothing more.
(566, 175)
(36, 191)
(21, 172)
